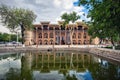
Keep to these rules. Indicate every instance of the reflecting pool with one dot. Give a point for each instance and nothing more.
(56, 66)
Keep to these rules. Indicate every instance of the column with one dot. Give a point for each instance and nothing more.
(65, 36)
(48, 36)
(42, 35)
(77, 35)
(36, 38)
(53, 36)
(60, 36)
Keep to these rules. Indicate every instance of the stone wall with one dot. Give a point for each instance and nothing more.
(107, 53)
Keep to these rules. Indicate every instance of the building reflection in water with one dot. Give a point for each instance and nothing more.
(58, 66)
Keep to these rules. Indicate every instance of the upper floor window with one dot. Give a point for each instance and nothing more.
(45, 27)
(45, 35)
(62, 27)
(85, 29)
(79, 27)
(40, 35)
(51, 35)
(50, 28)
(75, 28)
(56, 28)
(79, 35)
(74, 35)
(39, 28)
(85, 35)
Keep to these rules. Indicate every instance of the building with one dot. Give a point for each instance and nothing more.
(55, 34)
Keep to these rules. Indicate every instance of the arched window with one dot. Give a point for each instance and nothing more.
(45, 27)
(84, 41)
(79, 42)
(85, 35)
(88, 42)
(45, 35)
(50, 28)
(40, 35)
(74, 41)
(56, 28)
(79, 35)
(45, 42)
(40, 41)
(51, 35)
(75, 28)
(79, 27)
(62, 27)
(74, 35)
(51, 42)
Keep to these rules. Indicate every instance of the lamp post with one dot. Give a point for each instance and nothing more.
(17, 37)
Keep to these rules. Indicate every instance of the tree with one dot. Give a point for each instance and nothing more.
(4, 37)
(104, 18)
(70, 17)
(17, 17)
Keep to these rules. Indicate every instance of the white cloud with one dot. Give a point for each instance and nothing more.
(46, 9)
(57, 3)
(3, 29)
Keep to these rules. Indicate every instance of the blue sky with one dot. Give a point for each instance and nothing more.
(47, 10)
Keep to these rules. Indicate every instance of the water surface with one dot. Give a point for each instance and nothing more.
(56, 66)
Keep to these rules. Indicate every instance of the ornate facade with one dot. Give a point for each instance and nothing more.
(49, 34)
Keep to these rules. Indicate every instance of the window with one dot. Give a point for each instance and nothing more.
(85, 29)
(74, 35)
(45, 35)
(62, 28)
(56, 28)
(45, 27)
(40, 41)
(40, 35)
(84, 41)
(85, 35)
(75, 28)
(50, 28)
(79, 35)
(39, 28)
(74, 42)
(45, 42)
(79, 42)
(51, 42)
(51, 35)
(79, 27)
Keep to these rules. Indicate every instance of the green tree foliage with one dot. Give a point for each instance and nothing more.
(105, 17)
(17, 17)
(70, 17)
(5, 37)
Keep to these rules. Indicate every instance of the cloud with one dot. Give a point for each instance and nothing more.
(46, 9)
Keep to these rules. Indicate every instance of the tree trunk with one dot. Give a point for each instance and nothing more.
(100, 41)
(22, 33)
(113, 44)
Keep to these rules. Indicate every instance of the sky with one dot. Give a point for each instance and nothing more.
(47, 10)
